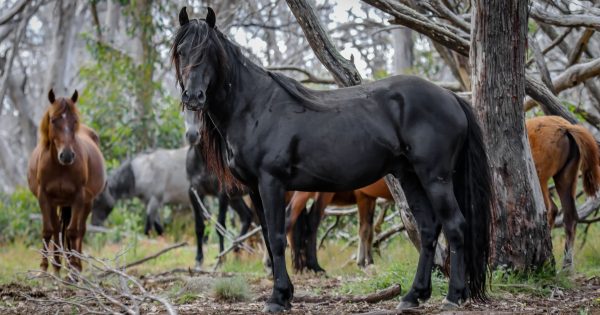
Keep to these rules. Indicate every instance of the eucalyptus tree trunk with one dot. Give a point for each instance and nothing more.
(57, 76)
(520, 234)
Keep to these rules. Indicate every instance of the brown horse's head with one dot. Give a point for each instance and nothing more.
(59, 126)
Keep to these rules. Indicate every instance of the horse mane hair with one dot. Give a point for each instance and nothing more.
(204, 38)
(64, 105)
(213, 146)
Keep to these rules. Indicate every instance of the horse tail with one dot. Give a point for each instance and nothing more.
(590, 157)
(65, 219)
(473, 191)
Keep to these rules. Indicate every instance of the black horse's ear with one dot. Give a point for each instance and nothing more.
(51, 96)
(74, 96)
(211, 18)
(183, 17)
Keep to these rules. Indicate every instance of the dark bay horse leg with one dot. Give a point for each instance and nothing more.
(429, 231)
(566, 185)
(313, 219)
(223, 204)
(198, 225)
(257, 201)
(366, 211)
(245, 214)
(272, 194)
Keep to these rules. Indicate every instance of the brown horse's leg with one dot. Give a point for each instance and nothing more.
(47, 229)
(73, 231)
(566, 184)
(366, 210)
(551, 209)
(56, 244)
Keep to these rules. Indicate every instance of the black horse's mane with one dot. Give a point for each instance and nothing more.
(230, 62)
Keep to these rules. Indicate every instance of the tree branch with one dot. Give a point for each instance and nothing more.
(310, 78)
(343, 70)
(572, 20)
(18, 7)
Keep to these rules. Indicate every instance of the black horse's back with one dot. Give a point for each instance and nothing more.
(473, 190)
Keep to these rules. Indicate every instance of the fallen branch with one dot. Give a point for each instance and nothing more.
(571, 20)
(147, 258)
(584, 211)
(382, 295)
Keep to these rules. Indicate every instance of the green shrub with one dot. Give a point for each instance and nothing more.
(16, 221)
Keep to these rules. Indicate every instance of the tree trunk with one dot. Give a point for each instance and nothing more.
(56, 76)
(403, 50)
(521, 238)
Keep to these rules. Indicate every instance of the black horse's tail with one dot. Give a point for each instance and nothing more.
(473, 190)
(65, 219)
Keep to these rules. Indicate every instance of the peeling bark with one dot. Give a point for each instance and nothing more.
(521, 238)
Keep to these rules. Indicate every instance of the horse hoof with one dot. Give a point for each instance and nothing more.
(198, 266)
(274, 308)
(407, 305)
(449, 306)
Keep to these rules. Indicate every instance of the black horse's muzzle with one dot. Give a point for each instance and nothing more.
(193, 101)
(192, 136)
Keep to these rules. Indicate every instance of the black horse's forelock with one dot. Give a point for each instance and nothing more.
(208, 40)
(204, 39)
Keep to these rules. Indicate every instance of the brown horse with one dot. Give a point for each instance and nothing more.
(365, 198)
(559, 150)
(66, 171)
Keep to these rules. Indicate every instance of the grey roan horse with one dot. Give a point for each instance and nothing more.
(159, 178)
(274, 135)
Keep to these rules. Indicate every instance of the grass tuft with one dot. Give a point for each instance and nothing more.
(233, 289)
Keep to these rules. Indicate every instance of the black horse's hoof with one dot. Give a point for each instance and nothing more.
(275, 308)
(448, 305)
(407, 305)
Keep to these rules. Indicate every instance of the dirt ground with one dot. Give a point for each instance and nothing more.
(18, 298)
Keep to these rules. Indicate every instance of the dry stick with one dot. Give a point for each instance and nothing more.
(382, 295)
(220, 228)
(383, 236)
(233, 245)
(147, 258)
(554, 43)
(329, 229)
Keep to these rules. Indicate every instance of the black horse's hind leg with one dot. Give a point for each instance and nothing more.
(438, 185)
(429, 230)
(223, 204)
(258, 207)
(199, 227)
(272, 194)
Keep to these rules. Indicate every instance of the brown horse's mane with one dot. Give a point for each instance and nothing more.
(60, 106)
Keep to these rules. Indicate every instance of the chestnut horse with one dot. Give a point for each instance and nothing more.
(365, 198)
(559, 150)
(66, 171)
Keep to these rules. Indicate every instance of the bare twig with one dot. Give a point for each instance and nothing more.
(572, 20)
(147, 258)
(383, 236)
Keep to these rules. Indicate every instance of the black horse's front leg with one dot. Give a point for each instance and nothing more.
(198, 225)
(272, 194)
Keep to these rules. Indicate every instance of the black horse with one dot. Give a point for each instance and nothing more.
(274, 135)
(203, 183)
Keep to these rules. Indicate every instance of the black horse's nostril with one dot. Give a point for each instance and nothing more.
(200, 95)
(192, 136)
(185, 96)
